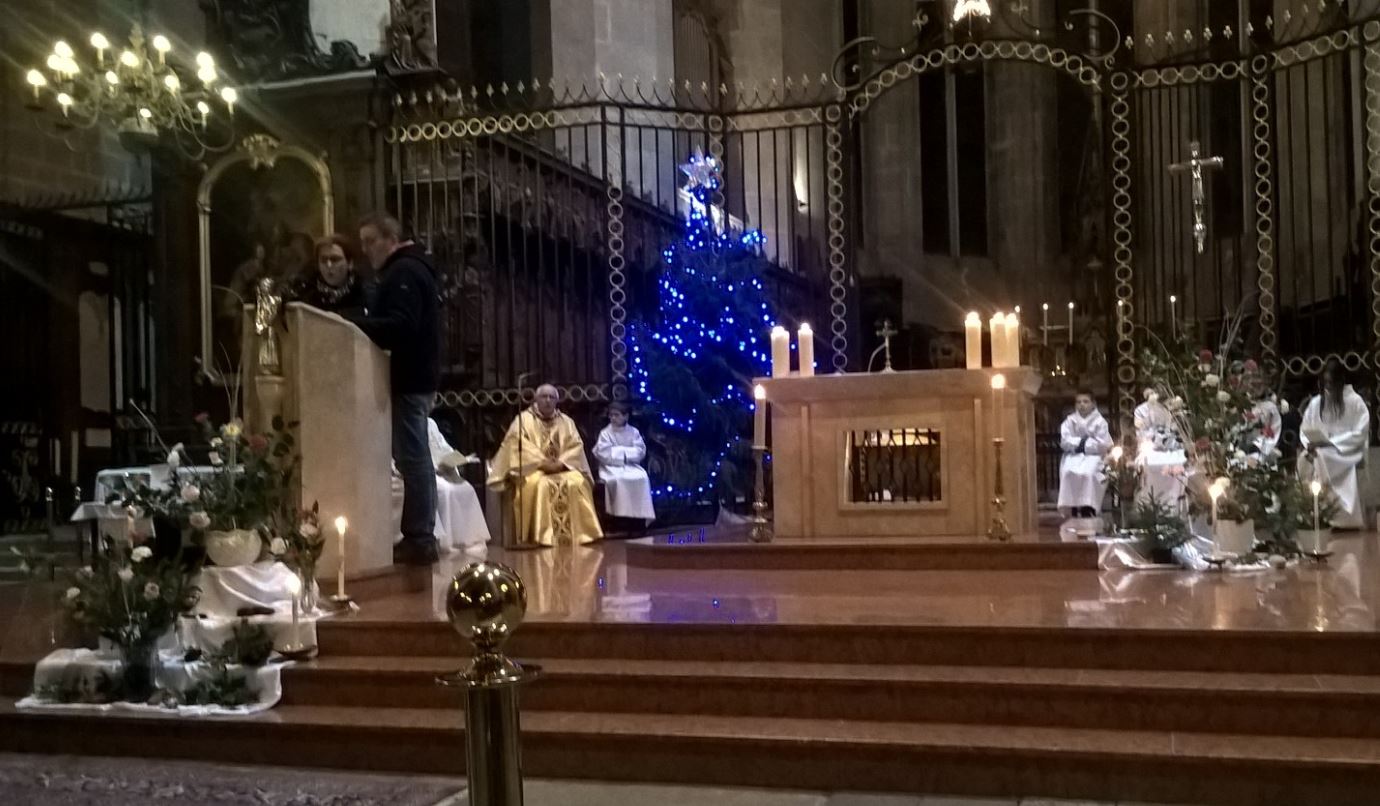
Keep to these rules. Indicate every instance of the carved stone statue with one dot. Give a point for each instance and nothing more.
(269, 40)
(267, 304)
(412, 33)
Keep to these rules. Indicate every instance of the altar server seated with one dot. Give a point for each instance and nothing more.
(1160, 453)
(620, 452)
(1085, 439)
(542, 461)
(1333, 437)
(459, 519)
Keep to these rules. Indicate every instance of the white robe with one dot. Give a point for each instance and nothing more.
(1084, 440)
(1162, 467)
(459, 519)
(627, 490)
(1271, 423)
(1336, 465)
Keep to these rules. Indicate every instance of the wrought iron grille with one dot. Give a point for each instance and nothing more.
(894, 466)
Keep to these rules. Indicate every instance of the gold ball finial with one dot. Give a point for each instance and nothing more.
(486, 602)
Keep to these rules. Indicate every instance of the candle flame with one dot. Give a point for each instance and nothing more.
(341, 524)
(999, 381)
(759, 392)
(1315, 486)
(973, 318)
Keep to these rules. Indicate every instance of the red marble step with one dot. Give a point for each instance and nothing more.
(1267, 651)
(1297, 705)
(974, 554)
(986, 760)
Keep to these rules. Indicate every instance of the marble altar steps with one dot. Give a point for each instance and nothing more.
(894, 554)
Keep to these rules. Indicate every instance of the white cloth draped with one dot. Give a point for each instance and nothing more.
(459, 518)
(1335, 465)
(1084, 440)
(1162, 464)
(627, 489)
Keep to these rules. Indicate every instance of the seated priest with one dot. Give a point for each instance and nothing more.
(1159, 452)
(1085, 439)
(620, 452)
(543, 459)
(460, 522)
(1333, 440)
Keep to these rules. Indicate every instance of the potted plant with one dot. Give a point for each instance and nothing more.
(297, 542)
(1233, 530)
(1161, 527)
(131, 599)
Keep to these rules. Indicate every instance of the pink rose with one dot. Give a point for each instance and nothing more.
(1205, 357)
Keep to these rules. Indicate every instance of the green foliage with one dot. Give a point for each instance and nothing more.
(249, 645)
(1159, 521)
(224, 687)
(128, 596)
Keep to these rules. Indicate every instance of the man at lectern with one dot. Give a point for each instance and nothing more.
(405, 320)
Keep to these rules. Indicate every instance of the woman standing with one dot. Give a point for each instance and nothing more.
(334, 286)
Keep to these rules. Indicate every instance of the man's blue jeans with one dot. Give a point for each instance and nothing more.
(412, 452)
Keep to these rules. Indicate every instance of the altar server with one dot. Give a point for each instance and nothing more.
(459, 520)
(621, 452)
(1159, 451)
(1085, 439)
(1334, 436)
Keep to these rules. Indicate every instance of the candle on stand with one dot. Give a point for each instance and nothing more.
(340, 526)
(996, 326)
(1013, 340)
(1070, 323)
(759, 416)
(780, 352)
(1315, 487)
(805, 346)
(1044, 322)
(998, 399)
(972, 331)
(1174, 316)
(294, 586)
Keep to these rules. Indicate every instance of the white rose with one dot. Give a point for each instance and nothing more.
(199, 520)
(1223, 397)
(1176, 403)
(216, 442)
(309, 530)
(175, 456)
(151, 591)
(215, 458)
(1211, 380)
(73, 594)
(277, 546)
(231, 429)
(1283, 407)
(191, 493)
(140, 554)
(126, 574)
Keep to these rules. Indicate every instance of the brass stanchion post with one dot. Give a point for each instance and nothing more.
(761, 525)
(998, 530)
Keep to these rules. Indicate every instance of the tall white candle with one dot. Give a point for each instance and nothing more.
(1013, 340)
(1315, 487)
(972, 332)
(805, 347)
(294, 586)
(1044, 323)
(759, 416)
(996, 327)
(1070, 323)
(780, 352)
(1174, 316)
(340, 526)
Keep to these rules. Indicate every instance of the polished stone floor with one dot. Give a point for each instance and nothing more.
(595, 584)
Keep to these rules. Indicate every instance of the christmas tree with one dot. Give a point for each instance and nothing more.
(694, 357)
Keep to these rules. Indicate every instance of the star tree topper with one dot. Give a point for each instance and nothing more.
(701, 171)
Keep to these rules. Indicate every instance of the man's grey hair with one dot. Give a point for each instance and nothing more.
(554, 391)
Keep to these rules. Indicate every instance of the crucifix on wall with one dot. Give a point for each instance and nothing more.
(1194, 165)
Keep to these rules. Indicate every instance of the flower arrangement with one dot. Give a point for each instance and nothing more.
(129, 598)
(297, 541)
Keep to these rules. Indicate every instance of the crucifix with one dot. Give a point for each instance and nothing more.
(1194, 165)
(885, 332)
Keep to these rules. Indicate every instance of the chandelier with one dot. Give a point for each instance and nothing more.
(142, 96)
(968, 9)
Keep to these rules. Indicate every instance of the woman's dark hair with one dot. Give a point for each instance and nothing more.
(1332, 385)
(336, 239)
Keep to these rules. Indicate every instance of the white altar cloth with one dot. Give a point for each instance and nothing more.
(171, 673)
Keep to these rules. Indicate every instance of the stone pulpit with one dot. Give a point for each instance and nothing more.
(332, 380)
(901, 454)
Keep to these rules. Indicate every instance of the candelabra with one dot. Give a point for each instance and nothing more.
(998, 530)
(761, 525)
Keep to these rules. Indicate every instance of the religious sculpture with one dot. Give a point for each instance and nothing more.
(412, 34)
(266, 308)
(270, 40)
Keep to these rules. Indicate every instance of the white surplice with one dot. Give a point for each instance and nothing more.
(1162, 465)
(627, 489)
(1336, 465)
(459, 519)
(1084, 440)
(1271, 423)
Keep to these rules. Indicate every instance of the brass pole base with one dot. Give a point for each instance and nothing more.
(999, 531)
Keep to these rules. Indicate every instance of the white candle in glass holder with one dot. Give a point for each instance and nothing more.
(341, 524)
(996, 328)
(805, 347)
(780, 352)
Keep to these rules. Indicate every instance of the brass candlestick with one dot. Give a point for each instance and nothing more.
(761, 525)
(998, 530)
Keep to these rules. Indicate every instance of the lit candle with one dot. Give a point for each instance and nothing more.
(780, 352)
(759, 416)
(1013, 340)
(972, 331)
(1044, 322)
(100, 43)
(340, 526)
(1315, 487)
(805, 345)
(1174, 316)
(998, 398)
(996, 326)
(1070, 323)
(294, 586)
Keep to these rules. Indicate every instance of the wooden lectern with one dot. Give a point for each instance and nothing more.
(901, 454)
(334, 384)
